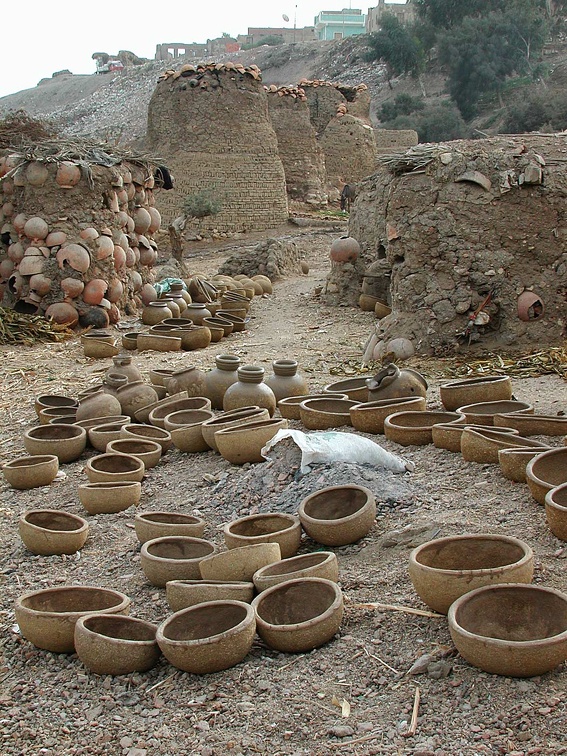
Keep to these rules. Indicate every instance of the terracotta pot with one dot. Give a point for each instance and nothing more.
(194, 337)
(35, 471)
(155, 312)
(174, 558)
(321, 564)
(53, 400)
(448, 435)
(114, 468)
(76, 256)
(320, 414)
(68, 175)
(181, 594)
(109, 497)
(289, 407)
(169, 406)
(142, 431)
(150, 525)
(345, 250)
(533, 425)
(250, 390)
(556, 511)
(197, 312)
(265, 283)
(414, 428)
(189, 379)
(489, 388)
(530, 306)
(50, 531)
(99, 350)
(240, 563)
(101, 435)
(66, 442)
(158, 342)
(220, 378)
(242, 444)
(143, 414)
(513, 461)
(338, 515)
(285, 380)
(185, 427)
(232, 419)
(49, 413)
(546, 471)
(160, 377)
(62, 313)
(135, 395)
(482, 445)
(393, 383)
(275, 527)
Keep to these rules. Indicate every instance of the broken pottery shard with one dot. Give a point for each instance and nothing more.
(533, 174)
(476, 177)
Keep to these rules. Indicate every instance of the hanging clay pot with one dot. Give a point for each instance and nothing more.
(55, 239)
(76, 256)
(72, 287)
(94, 291)
(345, 250)
(63, 313)
(36, 174)
(189, 379)
(36, 228)
(68, 175)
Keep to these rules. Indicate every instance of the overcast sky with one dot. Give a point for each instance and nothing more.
(43, 36)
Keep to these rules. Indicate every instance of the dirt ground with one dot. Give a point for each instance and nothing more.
(273, 703)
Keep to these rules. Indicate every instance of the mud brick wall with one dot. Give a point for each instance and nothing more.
(393, 140)
(350, 150)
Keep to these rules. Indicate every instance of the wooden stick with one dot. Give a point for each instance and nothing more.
(398, 608)
(413, 724)
(373, 656)
(362, 739)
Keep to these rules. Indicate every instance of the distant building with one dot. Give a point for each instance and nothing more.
(222, 45)
(340, 24)
(289, 36)
(168, 50)
(404, 12)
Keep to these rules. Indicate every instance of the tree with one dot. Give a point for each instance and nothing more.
(447, 13)
(402, 104)
(197, 205)
(395, 45)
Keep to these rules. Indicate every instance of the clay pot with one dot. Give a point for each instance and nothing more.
(482, 445)
(240, 563)
(220, 378)
(114, 468)
(244, 443)
(185, 427)
(369, 417)
(392, 383)
(208, 637)
(289, 407)
(40, 284)
(415, 428)
(286, 381)
(68, 175)
(382, 310)
(47, 617)
(533, 644)
(130, 340)
(225, 326)
(143, 414)
(446, 568)
(194, 337)
(135, 395)
(76, 256)
(99, 350)
(72, 287)
(109, 497)
(123, 366)
(320, 414)
(338, 515)
(189, 379)
(345, 250)
(513, 462)
(151, 525)
(171, 304)
(275, 527)
(50, 531)
(36, 173)
(299, 615)
(238, 323)
(155, 312)
(181, 594)
(54, 401)
(173, 558)
(141, 431)
(62, 313)
(367, 303)
(93, 422)
(98, 404)
(265, 283)
(530, 306)
(169, 406)
(111, 644)
(489, 388)
(483, 413)
(66, 442)
(197, 312)
(158, 342)
(35, 471)
(250, 390)
(546, 471)
(101, 435)
(355, 388)
(321, 564)
(142, 220)
(556, 511)
(160, 377)
(232, 419)
(148, 452)
(533, 425)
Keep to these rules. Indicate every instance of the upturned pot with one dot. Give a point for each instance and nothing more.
(218, 380)
(285, 380)
(189, 379)
(133, 396)
(250, 390)
(98, 404)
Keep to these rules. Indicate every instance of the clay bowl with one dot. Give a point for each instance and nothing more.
(245, 442)
(101, 435)
(47, 414)
(152, 524)
(143, 414)
(368, 417)
(31, 472)
(113, 468)
(240, 563)
(448, 435)
(94, 421)
(483, 412)
(47, 618)
(158, 343)
(414, 428)
(71, 420)
(130, 340)
(98, 350)
(148, 452)
(183, 593)
(159, 377)
(321, 564)
(488, 388)
(186, 417)
(513, 462)
(216, 331)
(188, 436)
(556, 511)
(233, 308)
(546, 471)
(50, 531)
(273, 527)
(515, 630)
(355, 388)
(157, 416)
(533, 425)
(109, 498)
(446, 568)
(97, 335)
(482, 445)
(112, 644)
(289, 407)
(174, 558)
(219, 322)
(53, 401)
(194, 337)
(337, 515)
(238, 323)
(299, 615)
(66, 442)
(139, 431)
(208, 637)
(232, 419)
(320, 414)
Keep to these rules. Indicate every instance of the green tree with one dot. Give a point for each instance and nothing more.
(402, 104)
(396, 47)
(444, 14)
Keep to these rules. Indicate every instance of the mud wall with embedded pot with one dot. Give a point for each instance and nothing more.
(471, 238)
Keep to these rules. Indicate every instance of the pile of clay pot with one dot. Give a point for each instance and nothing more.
(197, 75)
(296, 93)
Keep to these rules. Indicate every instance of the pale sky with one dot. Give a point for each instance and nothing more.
(43, 36)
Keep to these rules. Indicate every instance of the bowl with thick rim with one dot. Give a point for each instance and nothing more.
(321, 414)
(482, 413)
(415, 428)
(514, 461)
(183, 593)
(486, 388)
(533, 425)
(369, 417)
(51, 531)
(546, 471)
(268, 527)
(482, 445)
(66, 442)
(112, 468)
(148, 452)
(556, 511)
(240, 563)
(33, 471)
(338, 515)
(101, 435)
(148, 433)
(355, 388)
(158, 414)
(47, 414)
(143, 414)
(174, 558)
(53, 400)
(231, 419)
(156, 524)
(244, 443)
(289, 407)
(443, 569)
(323, 564)
(448, 435)
(155, 342)
(109, 497)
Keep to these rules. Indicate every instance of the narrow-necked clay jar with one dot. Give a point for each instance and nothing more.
(189, 379)
(197, 312)
(123, 366)
(155, 312)
(181, 297)
(112, 382)
(286, 381)
(135, 395)
(250, 389)
(98, 404)
(220, 378)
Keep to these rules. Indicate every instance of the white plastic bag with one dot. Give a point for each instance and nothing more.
(334, 446)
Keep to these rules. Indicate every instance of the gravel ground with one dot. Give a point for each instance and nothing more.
(274, 703)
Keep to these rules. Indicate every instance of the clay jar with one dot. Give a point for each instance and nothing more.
(189, 379)
(250, 390)
(345, 250)
(98, 404)
(123, 366)
(135, 395)
(197, 313)
(218, 380)
(285, 380)
(112, 382)
(155, 312)
(176, 296)
(173, 306)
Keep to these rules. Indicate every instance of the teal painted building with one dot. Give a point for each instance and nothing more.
(340, 24)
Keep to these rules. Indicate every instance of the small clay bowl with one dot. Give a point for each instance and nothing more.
(47, 617)
(355, 388)
(98, 335)
(414, 428)
(245, 442)
(219, 322)
(109, 498)
(53, 401)
(273, 527)
(149, 452)
(533, 425)
(240, 563)
(513, 462)
(320, 414)
(186, 417)
(208, 637)
(183, 593)
(482, 445)
(50, 531)
(299, 615)
(47, 414)
(445, 568)
(31, 472)
(159, 377)
(369, 417)
(556, 511)
(322, 564)
(289, 407)
(337, 515)
(130, 340)
(546, 471)
(231, 419)
(113, 468)
(174, 558)
(112, 644)
(152, 524)
(238, 324)
(139, 431)
(94, 421)
(66, 442)
(188, 436)
(483, 413)
(98, 350)
(514, 630)
(487, 388)
(158, 343)
(158, 414)
(448, 435)
(143, 414)
(101, 435)
(216, 331)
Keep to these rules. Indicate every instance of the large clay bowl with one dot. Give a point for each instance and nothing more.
(483, 413)
(183, 593)
(289, 407)
(31, 472)
(513, 630)
(101, 435)
(148, 452)
(208, 637)
(369, 417)
(98, 350)
(320, 414)
(245, 443)
(487, 388)
(47, 618)
(186, 428)
(109, 498)
(299, 615)
(152, 524)
(240, 563)
(444, 569)
(53, 400)
(47, 414)
(415, 428)
(533, 425)
(130, 340)
(159, 376)
(338, 515)
(219, 322)
(321, 564)
(143, 414)
(174, 558)
(66, 442)
(482, 446)
(231, 419)
(448, 435)
(272, 527)
(238, 323)
(556, 511)
(513, 462)
(112, 644)
(50, 531)
(94, 421)
(355, 388)
(187, 417)
(113, 468)
(158, 342)
(546, 471)
(139, 431)
(157, 416)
